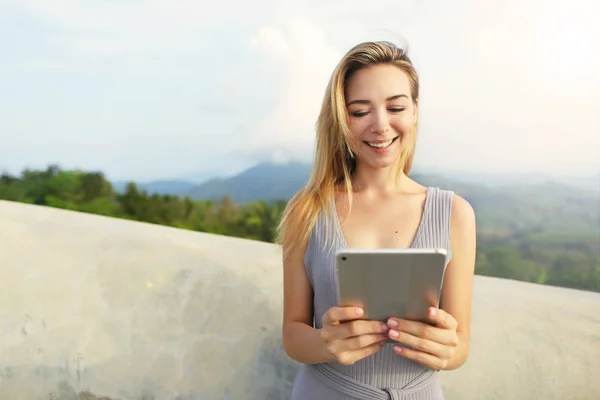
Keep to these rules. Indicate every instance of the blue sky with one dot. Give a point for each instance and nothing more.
(152, 89)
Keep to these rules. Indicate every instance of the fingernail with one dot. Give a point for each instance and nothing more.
(393, 323)
(394, 333)
(359, 311)
(432, 312)
(398, 349)
(384, 327)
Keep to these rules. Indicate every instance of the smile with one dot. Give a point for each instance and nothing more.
(378, 144)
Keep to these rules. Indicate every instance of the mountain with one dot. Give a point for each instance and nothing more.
(504, 206)
(172, 187)
(267, 181)
(273, 181)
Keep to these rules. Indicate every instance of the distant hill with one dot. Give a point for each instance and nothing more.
(590, 181)
(540, 203)
(266, 181)
(172, 187)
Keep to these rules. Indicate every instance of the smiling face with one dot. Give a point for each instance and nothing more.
(381, 114)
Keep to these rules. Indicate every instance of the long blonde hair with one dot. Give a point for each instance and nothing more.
(334, 161)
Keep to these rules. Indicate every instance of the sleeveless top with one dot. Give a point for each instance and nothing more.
(384, 369)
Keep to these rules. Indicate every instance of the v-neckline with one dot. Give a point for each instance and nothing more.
(340, 233)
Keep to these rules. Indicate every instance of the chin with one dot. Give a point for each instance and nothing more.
(378, 161)
(381, 163)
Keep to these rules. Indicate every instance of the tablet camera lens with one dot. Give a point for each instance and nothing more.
(343, 258)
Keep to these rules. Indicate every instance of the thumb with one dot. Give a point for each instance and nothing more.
(441, 318)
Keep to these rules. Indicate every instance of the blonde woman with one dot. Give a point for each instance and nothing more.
(359, 196)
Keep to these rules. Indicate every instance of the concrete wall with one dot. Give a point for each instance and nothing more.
(130, 310)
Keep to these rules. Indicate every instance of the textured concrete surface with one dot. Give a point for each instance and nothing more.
(124, 310)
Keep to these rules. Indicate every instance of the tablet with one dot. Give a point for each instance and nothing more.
(400, 283)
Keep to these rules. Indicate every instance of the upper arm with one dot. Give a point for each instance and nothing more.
(297, 289)
(457, 290)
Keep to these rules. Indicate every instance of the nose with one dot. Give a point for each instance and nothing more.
(381, 123)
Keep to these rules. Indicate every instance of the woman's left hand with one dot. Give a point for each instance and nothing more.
(432, 346)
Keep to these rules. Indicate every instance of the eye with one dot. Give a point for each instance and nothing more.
(359, 114)
(396, 109)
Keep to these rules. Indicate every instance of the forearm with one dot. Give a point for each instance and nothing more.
(304, 344)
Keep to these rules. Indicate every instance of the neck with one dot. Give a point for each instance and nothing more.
(378, 181)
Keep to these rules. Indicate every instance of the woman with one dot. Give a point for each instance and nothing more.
(359, 196)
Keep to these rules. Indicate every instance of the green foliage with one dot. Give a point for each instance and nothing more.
(547, 241)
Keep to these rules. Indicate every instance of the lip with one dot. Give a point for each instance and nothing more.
(380, 150)
(380, 141)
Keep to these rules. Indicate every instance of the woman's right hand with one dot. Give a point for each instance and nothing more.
(349, 338)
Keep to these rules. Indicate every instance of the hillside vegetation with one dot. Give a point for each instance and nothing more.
(545, 234)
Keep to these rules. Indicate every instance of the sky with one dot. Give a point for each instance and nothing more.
(154, 89)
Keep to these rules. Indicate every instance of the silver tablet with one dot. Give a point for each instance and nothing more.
(400, 283)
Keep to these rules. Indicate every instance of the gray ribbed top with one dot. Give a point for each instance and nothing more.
(384, 369)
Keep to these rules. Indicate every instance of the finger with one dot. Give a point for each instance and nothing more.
(350, 357)
(362, 327)
(422, 330)
(420, 344)
(335, 315)
(362, 341)
(425, 359)
(441, 318)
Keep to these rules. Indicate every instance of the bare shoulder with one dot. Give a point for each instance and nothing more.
(463, 215)
(297, 289)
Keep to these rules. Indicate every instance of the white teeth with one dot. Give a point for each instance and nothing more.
(381, 145)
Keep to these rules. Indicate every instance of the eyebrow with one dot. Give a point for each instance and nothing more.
(368, 102)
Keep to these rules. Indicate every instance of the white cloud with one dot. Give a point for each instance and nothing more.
(96, 27)
(508, 86)
(98, 15)
(486, 84)
(300, 51)
(272, 41)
